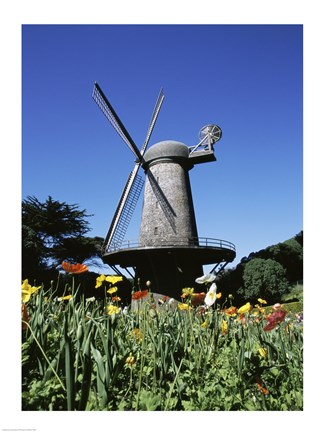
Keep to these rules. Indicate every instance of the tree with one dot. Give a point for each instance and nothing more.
(300, 238)
(78, 249)
(54, 231)
(230, 281)
(264, 278)
(290, 255)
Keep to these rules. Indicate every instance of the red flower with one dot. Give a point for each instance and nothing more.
(139, 295)
(74, 268)
(197, 298)
(275, 318)
(270, 326)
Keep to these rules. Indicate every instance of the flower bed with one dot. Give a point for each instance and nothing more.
(206, 354)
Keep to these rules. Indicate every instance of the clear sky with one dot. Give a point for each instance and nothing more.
(248, 79)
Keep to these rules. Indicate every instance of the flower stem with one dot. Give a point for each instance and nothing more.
(45, 356)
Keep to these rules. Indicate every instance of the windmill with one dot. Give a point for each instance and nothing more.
(169, 252)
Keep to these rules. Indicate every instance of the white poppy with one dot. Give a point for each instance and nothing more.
(208, 278)
(211, 295)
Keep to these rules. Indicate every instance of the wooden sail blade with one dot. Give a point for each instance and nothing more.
(124, 211)
(153, 120)
(107, 109)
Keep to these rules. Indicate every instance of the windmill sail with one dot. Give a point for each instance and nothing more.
(153, 120)
(134, 184)
(124, 211)
(107, 109)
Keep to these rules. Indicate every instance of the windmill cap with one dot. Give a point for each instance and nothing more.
(166, 150)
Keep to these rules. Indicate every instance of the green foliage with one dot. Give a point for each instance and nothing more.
(53, 220)
(288, 253)
(54, 231)
(78, 249)
(264, 278)
(295, 307)
(77, 357)
(295, 293)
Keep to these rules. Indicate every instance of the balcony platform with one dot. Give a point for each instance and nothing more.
(171, 267)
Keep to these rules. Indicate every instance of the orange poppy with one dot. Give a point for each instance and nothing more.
(197, 298)
(262, 389)
(139, 295)
(259, 384)
(74, 268)
(24, 316)
(232, 310)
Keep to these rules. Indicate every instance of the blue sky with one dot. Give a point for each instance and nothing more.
(248, 79)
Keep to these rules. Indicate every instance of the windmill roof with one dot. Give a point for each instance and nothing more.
(167, 149)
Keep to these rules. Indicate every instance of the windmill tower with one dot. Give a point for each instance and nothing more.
(169, 252)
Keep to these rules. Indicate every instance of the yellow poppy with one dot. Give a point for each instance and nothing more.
(99, 281)
(224, 327)
(245, 308)
(184, 306)
(27, 290)
(187, 292)
(262, 301)
(67, 297)
(263, 352)
(114, 279)
(112, 290)
(111, 309)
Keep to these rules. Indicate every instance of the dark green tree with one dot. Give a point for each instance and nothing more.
(54, 231)
(290, 255)
(300, 238)
(230, 281)
(78, 249)
(263, 278)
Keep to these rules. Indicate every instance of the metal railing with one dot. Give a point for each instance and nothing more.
(176, 243)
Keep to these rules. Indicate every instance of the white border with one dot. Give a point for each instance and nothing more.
(15, 13)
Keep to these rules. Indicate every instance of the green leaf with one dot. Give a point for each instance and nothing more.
(69, 370)
(101, 375)
(148, 401)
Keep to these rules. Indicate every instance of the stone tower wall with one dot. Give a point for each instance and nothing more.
(168, 212)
